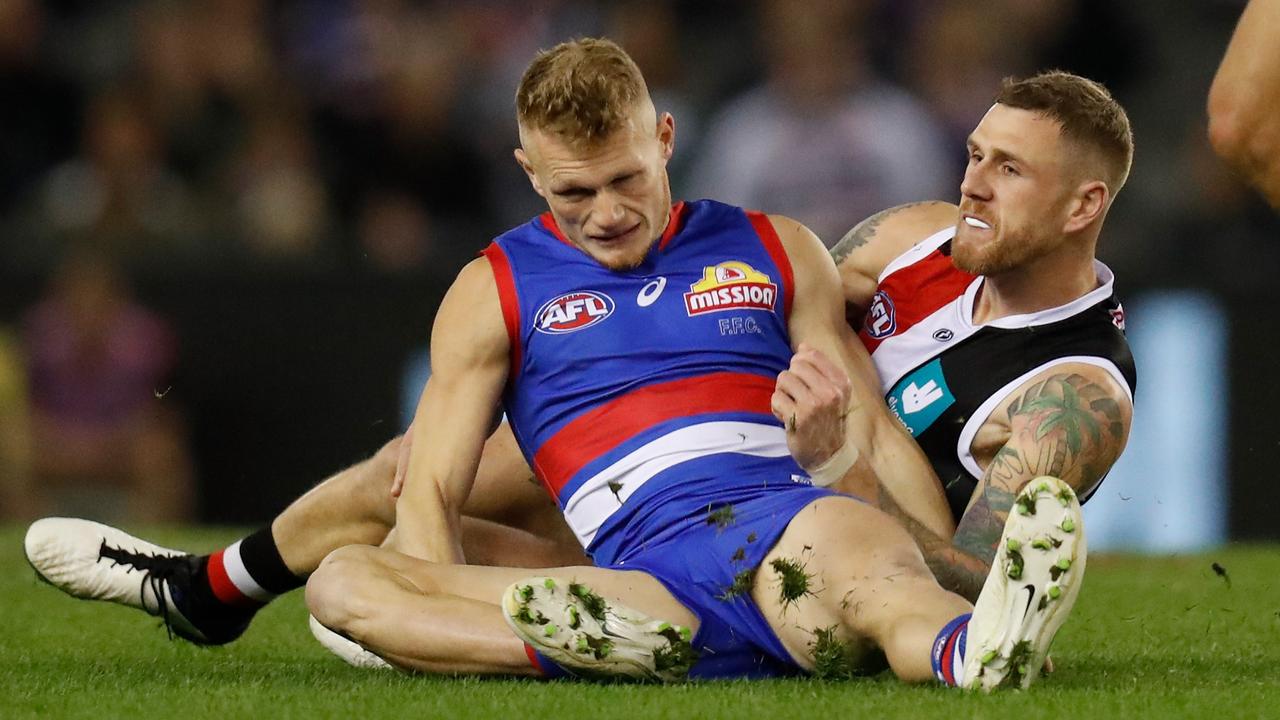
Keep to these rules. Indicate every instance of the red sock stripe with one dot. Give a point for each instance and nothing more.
(533, 658)
(947, 661)
(223, 589)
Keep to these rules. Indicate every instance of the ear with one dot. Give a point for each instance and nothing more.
(667, 135)
(523, 159)
(1087, 206)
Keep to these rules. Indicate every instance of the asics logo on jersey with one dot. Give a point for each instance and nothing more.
(732, 285)
(881, 319)
(649, 294)
(573, 311)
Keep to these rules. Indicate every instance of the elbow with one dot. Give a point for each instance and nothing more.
(1227, 126)
(1240, 135)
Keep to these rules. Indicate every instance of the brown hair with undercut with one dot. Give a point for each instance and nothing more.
(582, 90)
(1085, 111)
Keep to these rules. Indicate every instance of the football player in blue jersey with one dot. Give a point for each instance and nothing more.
(817, 582)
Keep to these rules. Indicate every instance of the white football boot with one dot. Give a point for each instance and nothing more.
(352, 652)
(1034, 580)
(92, 561)
(592, 637)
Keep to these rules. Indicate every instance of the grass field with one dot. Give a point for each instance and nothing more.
(1150, 638)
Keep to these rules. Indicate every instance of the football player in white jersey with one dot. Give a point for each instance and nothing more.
(1045, 164)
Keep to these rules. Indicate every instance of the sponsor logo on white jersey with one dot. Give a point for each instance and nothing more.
(732, 285)
(573, 311)
(882, 320)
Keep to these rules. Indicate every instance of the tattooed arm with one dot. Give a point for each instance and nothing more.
(866, 250)
(1070, 422)
(889, 469)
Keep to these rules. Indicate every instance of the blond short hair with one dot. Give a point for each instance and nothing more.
(582, 90)
(1086, 112)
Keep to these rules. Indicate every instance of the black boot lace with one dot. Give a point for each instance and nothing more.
(156, 571)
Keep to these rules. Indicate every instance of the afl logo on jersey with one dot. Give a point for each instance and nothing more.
(882, 320)
(574, 311)
(1117, 316)
(732, 285)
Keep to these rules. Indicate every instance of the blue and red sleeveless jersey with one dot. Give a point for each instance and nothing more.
(657, 380)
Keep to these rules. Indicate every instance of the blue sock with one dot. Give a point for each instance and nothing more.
(948, 651)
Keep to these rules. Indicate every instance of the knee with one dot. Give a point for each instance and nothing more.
(389, 453)
(371, 483)
(383, 462)
(336, 591)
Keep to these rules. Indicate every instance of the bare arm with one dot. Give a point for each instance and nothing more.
(1070, 422)
(1244, 126)
(469, 361)
(866, 250)
(817, 324)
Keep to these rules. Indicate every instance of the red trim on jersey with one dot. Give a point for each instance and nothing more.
(598, 431)
(223, 589)
(773, 245)
(674, 222)
(510, 303)
(549, 222)
(917, 291)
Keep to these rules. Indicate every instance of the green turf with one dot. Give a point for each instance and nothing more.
(1150, 638)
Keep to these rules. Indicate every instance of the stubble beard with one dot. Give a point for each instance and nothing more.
(1007, 252)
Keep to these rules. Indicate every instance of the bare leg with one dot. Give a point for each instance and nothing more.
(446, 618)
(511, 520)
(854, 575)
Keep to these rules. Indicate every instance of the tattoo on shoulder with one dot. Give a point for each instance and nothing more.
(1067, 426)
(865, 230)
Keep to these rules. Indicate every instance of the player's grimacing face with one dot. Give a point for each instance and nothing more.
(1014, 192)
(610, 198)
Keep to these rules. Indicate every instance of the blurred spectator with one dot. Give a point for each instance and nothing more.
(118, 190)
(954, 62)
(107, 444)
(1095, 38)
(385, 78)
(396, 236)
(199, 125)
(282, 207)
(823, 140)
(650, 33)
(17, 501)
(40, 108)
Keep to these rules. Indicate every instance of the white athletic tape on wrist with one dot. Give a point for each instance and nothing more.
(835, 467)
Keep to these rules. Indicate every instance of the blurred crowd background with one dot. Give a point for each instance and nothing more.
(225, 224)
